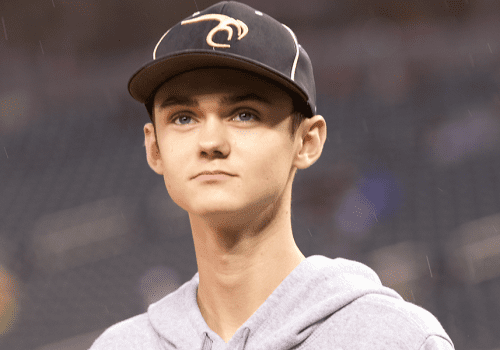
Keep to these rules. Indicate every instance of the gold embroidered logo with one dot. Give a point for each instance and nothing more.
(224, 25)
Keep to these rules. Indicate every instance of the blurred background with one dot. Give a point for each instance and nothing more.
(408, 182)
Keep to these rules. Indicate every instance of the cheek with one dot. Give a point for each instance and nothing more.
(174, 160)
(176, 187)
(273, 163)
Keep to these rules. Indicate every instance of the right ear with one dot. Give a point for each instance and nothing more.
(152, 152)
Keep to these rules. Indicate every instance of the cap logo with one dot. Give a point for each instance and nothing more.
(224, 25)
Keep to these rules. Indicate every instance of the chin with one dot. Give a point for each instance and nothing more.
(214, 209)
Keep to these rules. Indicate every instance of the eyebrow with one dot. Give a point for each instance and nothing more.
(228, 100)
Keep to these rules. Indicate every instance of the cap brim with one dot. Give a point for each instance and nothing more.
(147, 79)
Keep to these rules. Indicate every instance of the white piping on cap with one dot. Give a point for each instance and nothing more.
(292, 75)
(154, 52)
(164, 35)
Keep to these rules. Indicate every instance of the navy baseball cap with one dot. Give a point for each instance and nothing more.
(228, 34)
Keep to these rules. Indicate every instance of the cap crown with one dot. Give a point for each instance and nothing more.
(234, 35)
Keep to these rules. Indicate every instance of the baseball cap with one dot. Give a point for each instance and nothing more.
(228, 34)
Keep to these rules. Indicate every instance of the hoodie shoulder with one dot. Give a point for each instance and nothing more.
(135, 333)
(398, 323)
(381, 322)
(415, 316)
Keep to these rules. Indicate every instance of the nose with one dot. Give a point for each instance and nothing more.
(213, 138)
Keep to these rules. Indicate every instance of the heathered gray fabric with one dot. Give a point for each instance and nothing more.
(323, 303)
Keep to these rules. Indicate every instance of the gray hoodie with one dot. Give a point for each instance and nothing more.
(323, 303)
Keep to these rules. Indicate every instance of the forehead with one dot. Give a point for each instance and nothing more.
(220, 81)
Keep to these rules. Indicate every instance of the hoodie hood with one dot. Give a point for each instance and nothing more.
(316, 289)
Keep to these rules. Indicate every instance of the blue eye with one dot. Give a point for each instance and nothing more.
(242, 115)
(246, 114)
(181, 117)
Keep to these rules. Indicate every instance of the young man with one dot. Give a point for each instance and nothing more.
(232, 100)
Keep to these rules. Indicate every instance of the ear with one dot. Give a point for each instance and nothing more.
(312, 140)
(152, 152)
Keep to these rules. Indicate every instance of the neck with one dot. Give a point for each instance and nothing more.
(238, 270)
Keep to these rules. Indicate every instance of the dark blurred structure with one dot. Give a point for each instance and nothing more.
(408, 183)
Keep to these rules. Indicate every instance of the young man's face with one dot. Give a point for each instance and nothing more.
(228, 120)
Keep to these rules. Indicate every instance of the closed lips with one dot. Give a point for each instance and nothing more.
(215, 172)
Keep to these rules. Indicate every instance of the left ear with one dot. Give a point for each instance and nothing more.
(152, 152)
(313, 137)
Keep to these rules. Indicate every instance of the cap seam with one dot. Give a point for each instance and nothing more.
(297, 52)
(158, 43)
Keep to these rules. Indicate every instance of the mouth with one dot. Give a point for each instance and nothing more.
(211, 178)
(215, 172)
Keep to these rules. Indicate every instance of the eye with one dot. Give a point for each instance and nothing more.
(181, 117)
(246, 114)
